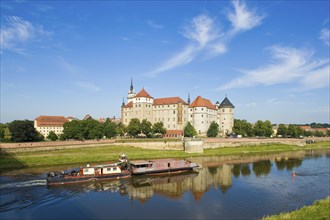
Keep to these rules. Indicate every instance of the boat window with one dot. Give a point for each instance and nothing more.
(168, 164)
(114, 169)
(108, 169)
(85, 170)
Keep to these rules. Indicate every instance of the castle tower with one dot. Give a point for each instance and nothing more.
(131, 93)
(226, 117)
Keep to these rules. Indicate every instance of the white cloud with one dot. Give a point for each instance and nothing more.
(288, 65)
(16, 32)
(87, 86)
(206, 38)
(325, 36)
(154, 25)
(180, 59)
(202, 29)
(243, 19)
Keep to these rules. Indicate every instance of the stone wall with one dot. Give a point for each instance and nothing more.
(235, 142)
(193, 145)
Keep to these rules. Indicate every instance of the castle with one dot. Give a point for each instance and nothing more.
(175, 113)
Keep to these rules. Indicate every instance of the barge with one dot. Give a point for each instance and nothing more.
(89, 173)
(158, 166)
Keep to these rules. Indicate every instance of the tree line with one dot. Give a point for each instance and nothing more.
(265, 129)
(89, 129)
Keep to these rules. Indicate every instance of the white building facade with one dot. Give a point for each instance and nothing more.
(175, 113)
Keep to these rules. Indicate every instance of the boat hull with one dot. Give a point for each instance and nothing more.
(163, 171)
(58, 180)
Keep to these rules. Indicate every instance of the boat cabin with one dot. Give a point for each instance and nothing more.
(101, 169)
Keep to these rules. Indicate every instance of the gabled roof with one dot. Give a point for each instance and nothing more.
(226, 104)
(143, 93)
(54, 121)
(129, 105)
(201, 102)
(169, 100)
(174, 132)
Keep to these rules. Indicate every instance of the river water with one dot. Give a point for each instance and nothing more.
(232, 187)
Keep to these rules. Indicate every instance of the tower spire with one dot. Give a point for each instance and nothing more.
(188, 99)
(131, 87)
(123, 104)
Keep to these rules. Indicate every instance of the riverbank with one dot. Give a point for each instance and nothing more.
(97, 154)
(320, 210)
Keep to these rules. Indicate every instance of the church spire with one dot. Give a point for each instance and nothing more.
(188, 99)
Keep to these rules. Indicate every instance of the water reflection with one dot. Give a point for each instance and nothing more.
(219, 180)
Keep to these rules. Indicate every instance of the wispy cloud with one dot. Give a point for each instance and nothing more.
(242, 18)
(205, 38)
(288, 65)
(16, 32)
(325, 36)
(87, 86)
(154, 25)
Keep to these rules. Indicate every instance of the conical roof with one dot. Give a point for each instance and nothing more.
(226, 104)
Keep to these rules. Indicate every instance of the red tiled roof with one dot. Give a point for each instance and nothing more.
(201, 102)
(54, 121)
(169, 100)
(174, 132)
(129, 105)
(143, 93)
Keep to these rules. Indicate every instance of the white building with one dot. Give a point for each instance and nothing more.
(45, 124)
(175, 113)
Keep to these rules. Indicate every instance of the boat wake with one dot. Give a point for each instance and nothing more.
(40, 182)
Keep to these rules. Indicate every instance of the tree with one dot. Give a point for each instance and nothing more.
(73, 130)
(213, 130)
(7, 135)
(282, 130)
(23, 131)
(109, 129)
(92, 129)
(292, 131)
(52, 136)
(134, 127)
(158, 128)
(263, 129)
(189, 130)
(319, 133)
(146, 127)
(242, 127)
(121, 129)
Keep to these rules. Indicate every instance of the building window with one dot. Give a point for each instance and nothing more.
(202, 109)
(223, 110)
(168, 119)
(173, 119)
(202, 116)
(173, 111)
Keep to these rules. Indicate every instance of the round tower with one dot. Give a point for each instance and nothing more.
(226, 116)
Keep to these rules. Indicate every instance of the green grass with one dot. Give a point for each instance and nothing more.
(99, 154)
(320, 210)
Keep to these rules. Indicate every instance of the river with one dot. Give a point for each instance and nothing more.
(227, 187)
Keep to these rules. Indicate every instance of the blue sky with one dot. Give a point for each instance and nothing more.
(72, 58)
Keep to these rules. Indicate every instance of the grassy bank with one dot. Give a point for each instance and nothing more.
(99, 154)
(320, 210)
